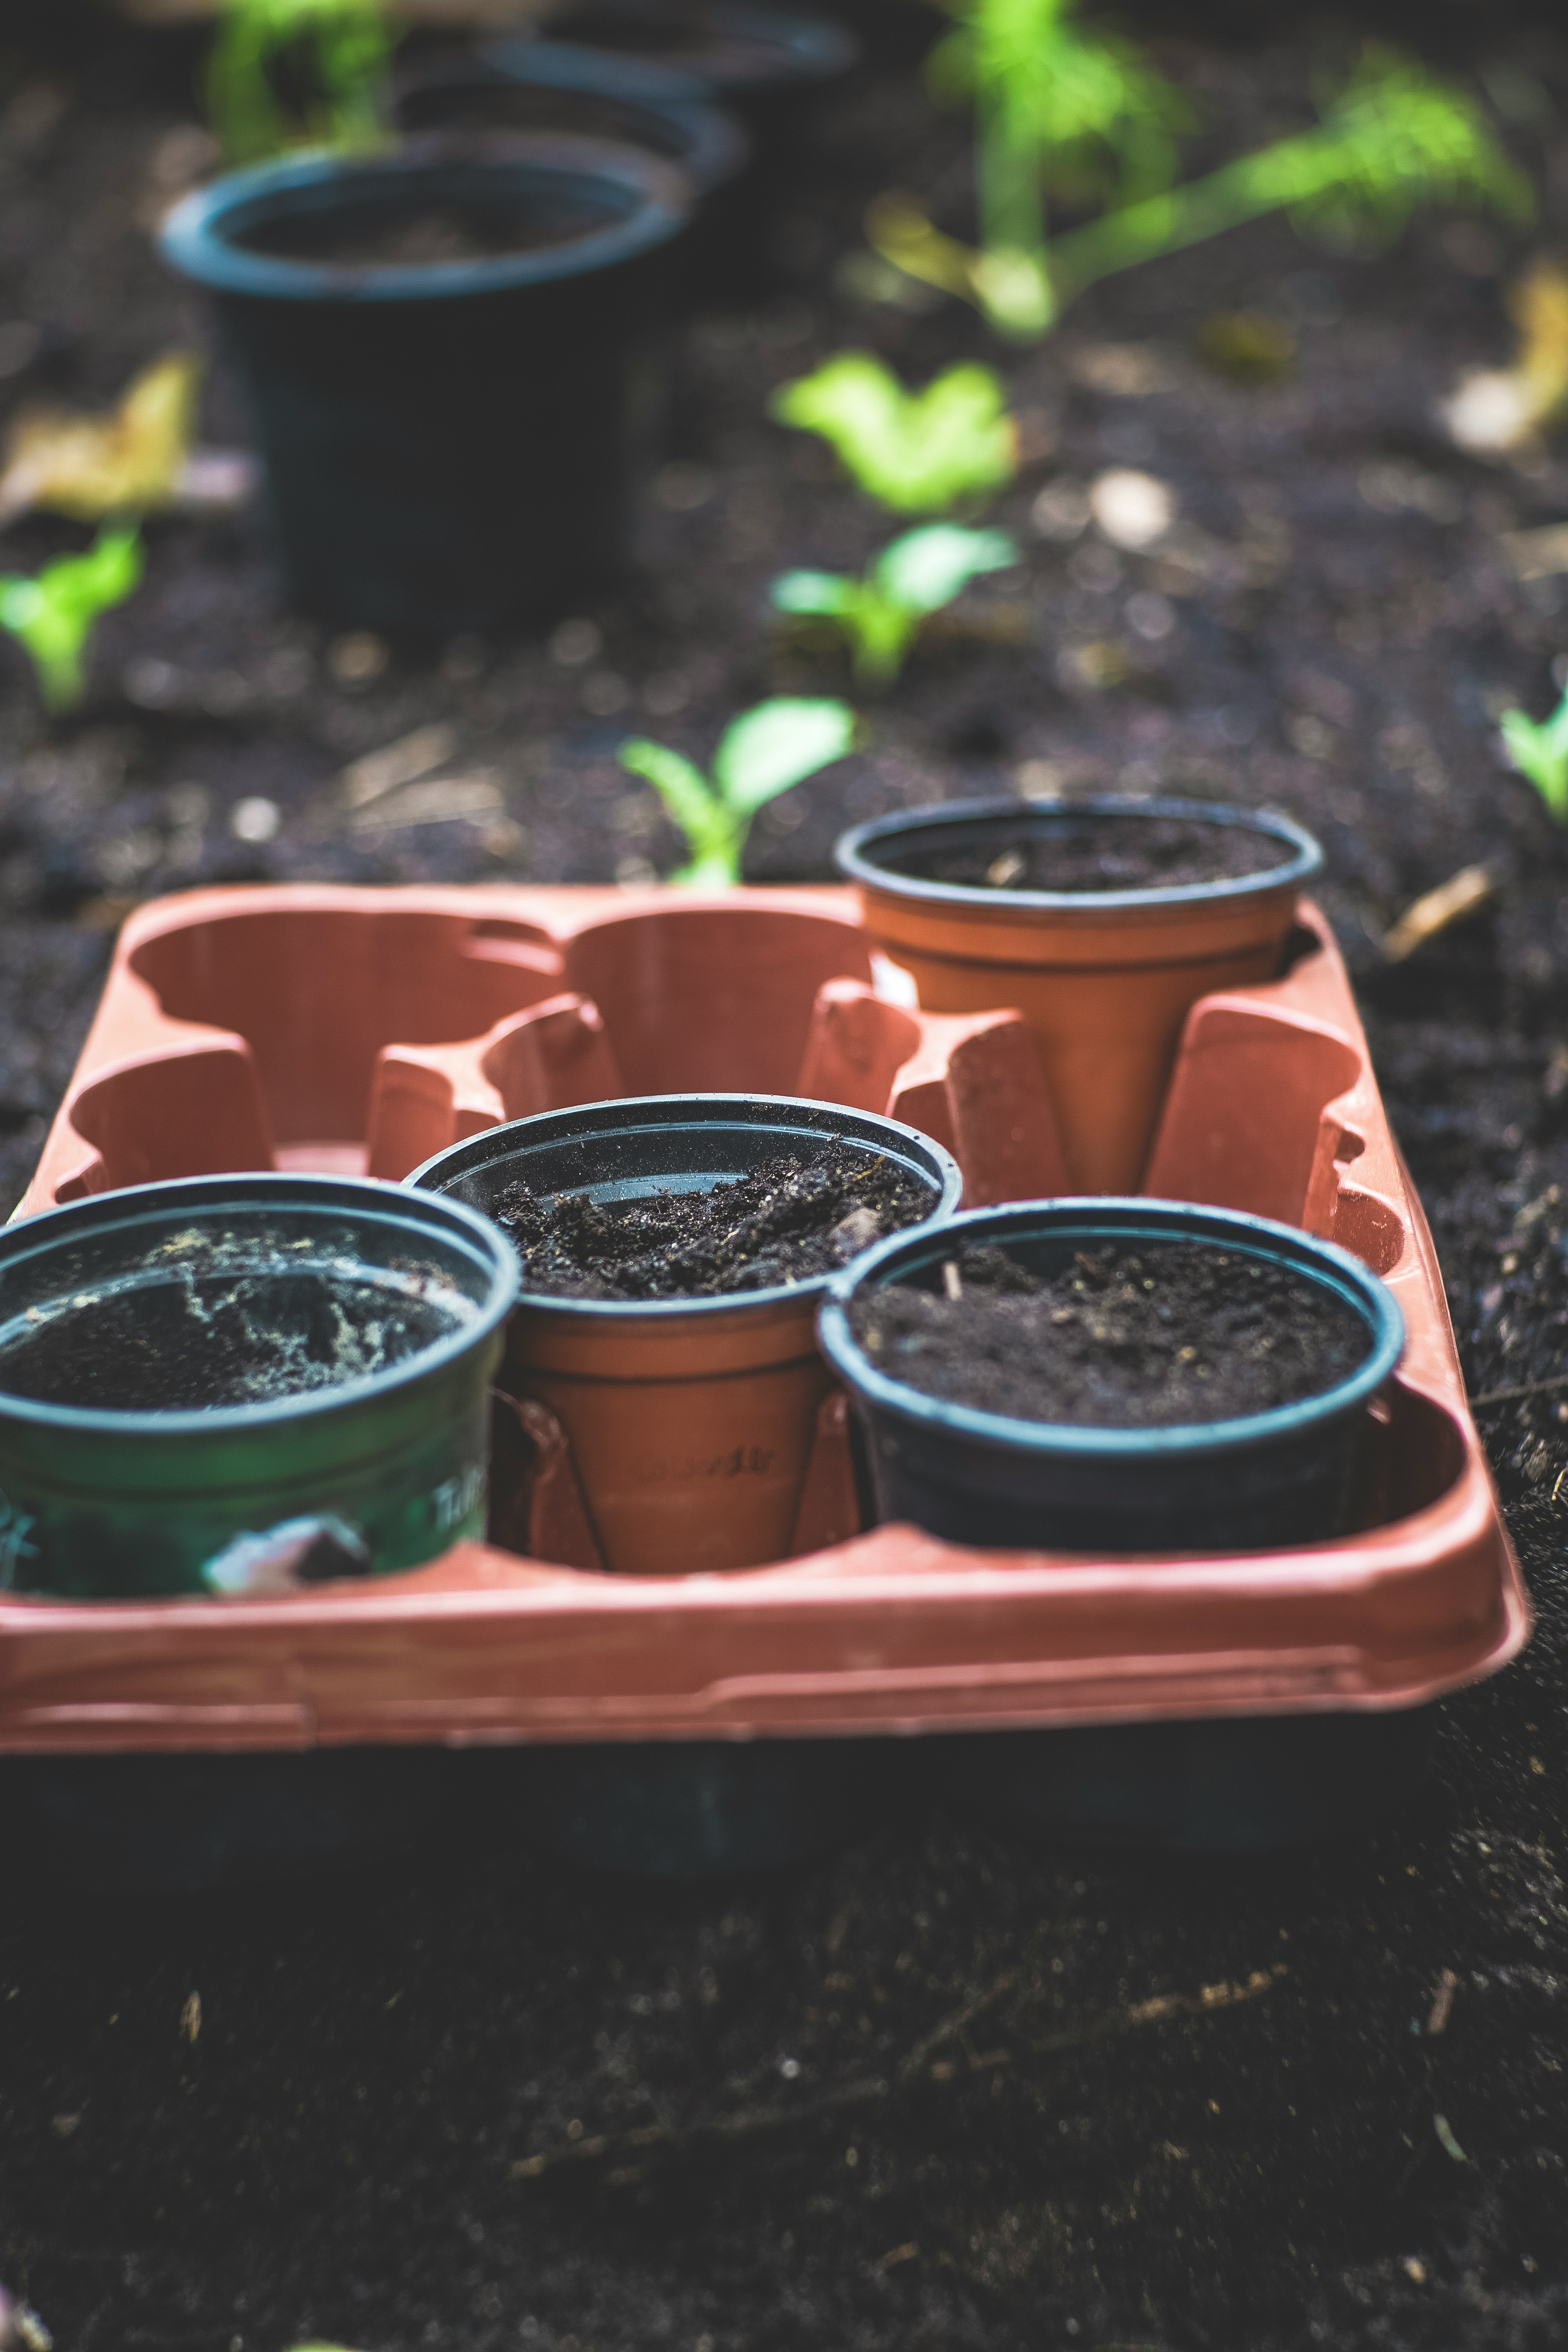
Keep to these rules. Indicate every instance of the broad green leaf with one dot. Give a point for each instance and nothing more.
(767, 750)
(828, 593)
(915, 452)
(926, 569)
(53, 615)
(689, 800)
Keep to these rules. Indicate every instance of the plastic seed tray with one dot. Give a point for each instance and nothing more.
(349, 1030)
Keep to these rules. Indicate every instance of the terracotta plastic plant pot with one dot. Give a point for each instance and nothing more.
(448, 445)
(691, 1420)
(1105, 979)
(1270, 1479)
(104, 1495)
(528, 87)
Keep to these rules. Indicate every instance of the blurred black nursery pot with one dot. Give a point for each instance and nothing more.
(442, 350)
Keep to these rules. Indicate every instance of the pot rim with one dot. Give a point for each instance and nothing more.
(335, 1196)
(198, 237)
(789, 48)
(480, 1149)
(1101, 1215)
(853, 860)
(717, 145)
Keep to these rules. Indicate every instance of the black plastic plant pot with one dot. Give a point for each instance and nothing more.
(528, 87)
(243, 1384)
(768, 65)
(449, 442)
(691, 1420)
(1263, 1480)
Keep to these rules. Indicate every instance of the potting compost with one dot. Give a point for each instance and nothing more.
(1106, 854)
(952, 2090)
(787, 1219)
(1144, 1339)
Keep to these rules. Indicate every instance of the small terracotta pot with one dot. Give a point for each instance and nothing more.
(1105, 979)
(691, 1420)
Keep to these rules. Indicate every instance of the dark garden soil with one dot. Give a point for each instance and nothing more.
(1142, 1339)
(1107, 852)
(787, 1219)
(1311, 2101)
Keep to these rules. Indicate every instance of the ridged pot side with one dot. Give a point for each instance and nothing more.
(1104, 980)
(690, 1421)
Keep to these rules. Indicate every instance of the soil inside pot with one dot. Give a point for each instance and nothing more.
(479, 107)
(1103, 853)
(1143, 1337)
(202, 1333)
(787, 1219)
(410, 236)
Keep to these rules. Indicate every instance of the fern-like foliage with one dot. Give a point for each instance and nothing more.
(297, 73)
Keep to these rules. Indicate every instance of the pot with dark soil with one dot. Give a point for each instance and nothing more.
(1102, 919)
(443, 353)
(673, 1249)
(769, 66)
(1119, 1376)
(239, 1384)
(523, 87)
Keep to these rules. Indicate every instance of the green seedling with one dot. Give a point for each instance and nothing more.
(297, 73)
(1055, 105)
(759, 755)
(53, 615)
(916, 452)
(881, 612)
(1539, 750)
(1394, 138)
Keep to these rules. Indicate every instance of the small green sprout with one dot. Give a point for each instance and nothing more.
(759, 755)
(881, 612)
(916, 452)
(297, 73)
(1394, 137)
(1539, 750)
(53, 615)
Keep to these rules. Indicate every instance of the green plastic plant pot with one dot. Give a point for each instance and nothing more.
(346, 1332)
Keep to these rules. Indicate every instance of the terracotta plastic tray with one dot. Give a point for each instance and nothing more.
(340, 1029)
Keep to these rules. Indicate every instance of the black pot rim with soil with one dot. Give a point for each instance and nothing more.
(741, 51)
(1099, 1219)
(785, 1121)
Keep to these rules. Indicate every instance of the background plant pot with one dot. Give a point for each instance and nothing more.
(1271, 1479)
(530, 87)
(690, 1420)
(377, 1473)
(1105, 979)
(770, 66)
(448, 445)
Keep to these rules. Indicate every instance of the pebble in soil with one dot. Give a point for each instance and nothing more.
(788, 1220)
(191, 1329)
(1104, 853)
(1149, 1339)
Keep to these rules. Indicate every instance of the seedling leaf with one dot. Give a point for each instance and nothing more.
(916, 452)
(828, 593)
(52, 617)
(767, 750)
(1539, 750)
(927, 568)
